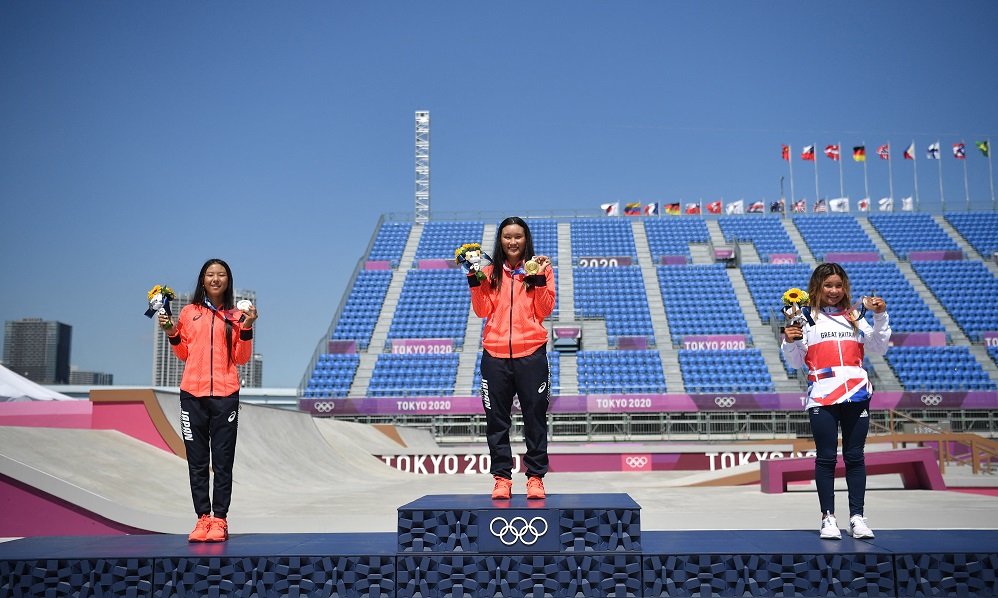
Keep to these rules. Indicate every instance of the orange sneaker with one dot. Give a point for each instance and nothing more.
(218, 531)
(200, 530)
(503, 489)
(535, 487)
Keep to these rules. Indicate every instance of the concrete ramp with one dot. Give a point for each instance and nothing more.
(287, 475)
(371, 438)
(105, 472)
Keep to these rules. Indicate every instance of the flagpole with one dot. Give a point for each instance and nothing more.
(966, 186)
(790, 156)
(991, 176)
(866, 181)
(842, 189)
(942, 198)
(816, 195)
(890, 174)
(914, 161)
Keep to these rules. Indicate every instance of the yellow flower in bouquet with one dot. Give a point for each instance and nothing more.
(165, 291)
(159, 299)
(795, 296)
(460, 251)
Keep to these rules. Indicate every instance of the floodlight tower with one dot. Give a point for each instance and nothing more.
(422, 166)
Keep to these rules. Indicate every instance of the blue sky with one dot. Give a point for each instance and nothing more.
(138, 139)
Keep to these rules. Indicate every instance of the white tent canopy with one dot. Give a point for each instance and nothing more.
(18, 388)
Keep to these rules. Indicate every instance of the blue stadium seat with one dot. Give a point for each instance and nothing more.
(620, 372)
(765, 232)
(907, 232)
(389, 242)
(839, 233)
(980, 229)
(965, 289)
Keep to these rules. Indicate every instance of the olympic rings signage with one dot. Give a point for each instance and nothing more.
(931, 400)
(725, 402)
(524, 531)
(323, 406)
(636, 462)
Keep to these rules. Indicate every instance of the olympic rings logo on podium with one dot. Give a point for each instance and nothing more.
(636, 462)
(724, 402)
(518, 529)
(323, 406)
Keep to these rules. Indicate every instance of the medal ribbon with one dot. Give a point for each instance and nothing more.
(226, 314)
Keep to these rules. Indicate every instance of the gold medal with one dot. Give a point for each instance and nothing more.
(531, 267)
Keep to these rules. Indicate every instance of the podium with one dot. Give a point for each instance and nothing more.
(457, 546)
(565, 545)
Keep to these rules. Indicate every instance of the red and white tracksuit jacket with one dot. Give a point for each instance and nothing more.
(833, 354)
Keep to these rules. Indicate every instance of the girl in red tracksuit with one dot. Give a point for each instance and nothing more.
(211, 338)
(515, 300)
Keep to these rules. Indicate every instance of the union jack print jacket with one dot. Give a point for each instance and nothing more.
(833, 354)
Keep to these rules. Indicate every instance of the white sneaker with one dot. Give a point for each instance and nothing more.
(858, 527)
(830, 529)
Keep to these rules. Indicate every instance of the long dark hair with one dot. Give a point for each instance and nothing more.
(228, 298)
(814, 288)
(499, 254)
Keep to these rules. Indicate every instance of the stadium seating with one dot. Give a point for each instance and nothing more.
(765, 232)
(700, 300)
(332, 376)
(363, 306)
(966, 289)
(909, 232)
(938, 368)
(908, 311)
(390, 242)
(604, 237)
(398, 375)
(447, 292)
(620, 372)
(980, 229)
(545, 235)
(725, 371)
(440, 239)
(672, 236)
(833, 233)
(617, 294)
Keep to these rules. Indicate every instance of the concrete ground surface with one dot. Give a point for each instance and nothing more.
(294, 474)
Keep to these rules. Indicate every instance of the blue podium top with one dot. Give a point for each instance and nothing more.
(464, 502)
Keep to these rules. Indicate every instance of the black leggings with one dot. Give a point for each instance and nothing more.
(854, 418)
(208, 426)
(529, 378)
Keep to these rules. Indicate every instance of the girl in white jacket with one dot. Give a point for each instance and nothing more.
(838, 388)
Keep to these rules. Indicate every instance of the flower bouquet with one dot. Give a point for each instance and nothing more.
(159, 300)
(471, 258)
(793, 300)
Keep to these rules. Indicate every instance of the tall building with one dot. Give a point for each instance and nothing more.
(78, 377)
(167, 370)
(38, 350)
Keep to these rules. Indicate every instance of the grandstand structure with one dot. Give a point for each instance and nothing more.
(673, 322)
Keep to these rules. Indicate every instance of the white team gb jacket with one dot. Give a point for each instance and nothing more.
(833, 354)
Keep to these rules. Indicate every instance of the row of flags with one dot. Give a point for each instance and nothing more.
(840, 204)
(884, 151)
